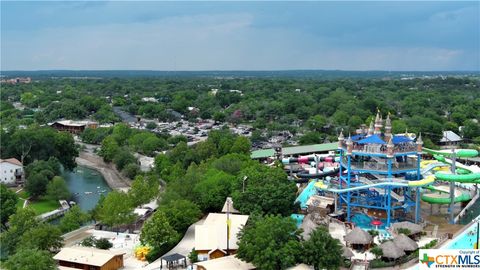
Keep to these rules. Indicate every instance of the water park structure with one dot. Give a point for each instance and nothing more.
(381, 175)
(382, 184)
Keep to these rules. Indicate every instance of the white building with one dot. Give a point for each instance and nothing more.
(10, 170)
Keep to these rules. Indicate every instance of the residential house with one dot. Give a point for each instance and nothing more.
(11, 171)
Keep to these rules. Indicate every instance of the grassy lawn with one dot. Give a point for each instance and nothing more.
(23, 194)
(20, 203)
(43, 205)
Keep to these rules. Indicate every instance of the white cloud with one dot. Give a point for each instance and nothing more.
(210, 42)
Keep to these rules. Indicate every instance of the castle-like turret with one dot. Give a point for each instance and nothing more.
(419, 143)
(370, 129)
(341, 140)
(388, 128)
(378, 124)
(349, 145)
(390, 148)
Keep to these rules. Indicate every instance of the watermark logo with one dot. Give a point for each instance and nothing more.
(449, 258)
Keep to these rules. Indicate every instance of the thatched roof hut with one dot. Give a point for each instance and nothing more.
(412, 227)
(391, 251)
(358, 237)
(346, 252)
(405, 243)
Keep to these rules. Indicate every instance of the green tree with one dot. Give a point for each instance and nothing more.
(57, 189)
(73, 219)
(219, 116)
(181, 214)
(22, 221)
(8, 203)
(399, 126)
(116, 209)
(131, 170)
(377, 251)
(143, 190)
(266, 190)
(322, 251)
(210, 193)
(103, 243)
(151, 125)
(36, 184)
(316, 122)
(30, 260)
(271, 243)
(44, 237)
(157, 232)
(311, 137)
(241, 145)
(123, 157)
(65, 150)
(193, 256)
(109, 148)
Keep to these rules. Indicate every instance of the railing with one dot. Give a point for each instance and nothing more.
(382, 148)
(377, 166)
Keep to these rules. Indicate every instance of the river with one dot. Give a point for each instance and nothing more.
(87, 185)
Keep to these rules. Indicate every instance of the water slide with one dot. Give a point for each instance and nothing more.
(471, 174)
(418, 183)
(307, 159)
(318, 175)
(431, 166)
(442, 195)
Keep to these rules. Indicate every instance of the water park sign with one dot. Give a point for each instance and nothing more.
(449, 258)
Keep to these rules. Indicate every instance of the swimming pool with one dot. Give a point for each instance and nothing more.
(466, 240)
(364, 221)
(306, 194)
(298, 219)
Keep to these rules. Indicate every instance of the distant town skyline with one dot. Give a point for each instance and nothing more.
(197, 36)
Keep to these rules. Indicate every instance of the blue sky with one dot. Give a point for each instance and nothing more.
(382, 35)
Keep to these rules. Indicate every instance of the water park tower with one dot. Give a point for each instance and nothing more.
(379, 173)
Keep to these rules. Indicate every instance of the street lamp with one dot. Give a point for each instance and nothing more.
(243, 184)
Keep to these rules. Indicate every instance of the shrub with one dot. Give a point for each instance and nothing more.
(103, 243)
(88, 242)
(404, 231)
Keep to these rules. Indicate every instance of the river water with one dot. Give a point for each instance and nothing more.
(86, 185)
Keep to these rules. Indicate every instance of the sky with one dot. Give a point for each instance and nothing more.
(154, 35)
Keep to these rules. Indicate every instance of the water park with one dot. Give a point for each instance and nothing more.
(384, 195)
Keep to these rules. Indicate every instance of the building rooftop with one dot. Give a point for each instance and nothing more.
(227, 262)
(84, 255)
(73, 123)
(11, 161)
(295, 150)
(450, 136)
(212, 234)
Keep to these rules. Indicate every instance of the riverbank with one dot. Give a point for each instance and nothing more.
(113, 177)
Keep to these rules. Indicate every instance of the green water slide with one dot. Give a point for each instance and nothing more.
(465, 174)
(442, 195)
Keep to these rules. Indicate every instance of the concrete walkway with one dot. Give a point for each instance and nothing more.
(183, 247)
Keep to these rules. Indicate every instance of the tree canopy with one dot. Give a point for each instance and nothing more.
(270, 243)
